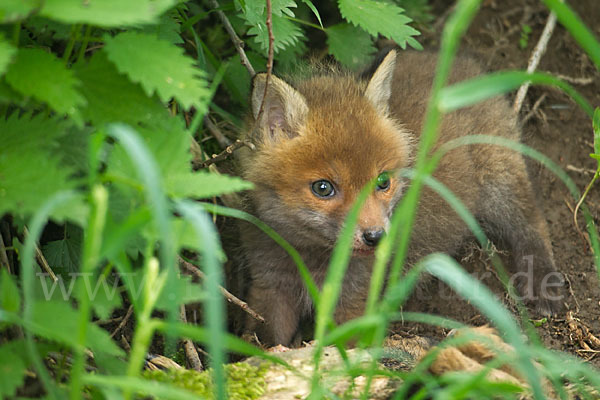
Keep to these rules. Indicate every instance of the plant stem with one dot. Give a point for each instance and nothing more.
(17, 33)
(84, 44)
(73, 37)
(91, 251)
(587, 189)
(302, 22)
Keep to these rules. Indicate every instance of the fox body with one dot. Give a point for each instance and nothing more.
(321, 140)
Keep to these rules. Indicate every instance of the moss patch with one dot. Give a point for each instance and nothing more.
(244, 381)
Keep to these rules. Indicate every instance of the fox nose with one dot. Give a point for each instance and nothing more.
(372, 236)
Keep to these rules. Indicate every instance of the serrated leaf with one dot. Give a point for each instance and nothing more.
(7, 52)
(350, 45)
(12, 372)
(378, 17)
(10, 298)
(169, 144)
(159, 67)
(106, 13)
(204, 184)
(29, 170)
(64, 256)
(185, 292)
(44, 77)
(285, 32)
(56, 320)
(14, 10)
(111, 96)
(167, 28)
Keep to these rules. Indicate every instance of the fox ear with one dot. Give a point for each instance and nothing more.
(284, 107)
(379, 88)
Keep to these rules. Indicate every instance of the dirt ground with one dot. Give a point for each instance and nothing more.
(559, 129)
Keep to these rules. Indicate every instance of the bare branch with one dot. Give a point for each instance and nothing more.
(269, 60)
(188, 345)
(123, 321)
(230, 297)
(237, 42)
(41, 259)
(214, 130)
(222, 155)
(534, 60)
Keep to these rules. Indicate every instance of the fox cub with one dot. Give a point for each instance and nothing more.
(319, 141)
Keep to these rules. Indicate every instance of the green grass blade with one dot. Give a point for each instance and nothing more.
(313, 291)
(474, 90)
(446, 269)
(567, 17)
(210, 248)
(36, 225)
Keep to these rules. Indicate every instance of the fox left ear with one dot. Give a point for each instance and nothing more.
(379, 88)
(284, 108)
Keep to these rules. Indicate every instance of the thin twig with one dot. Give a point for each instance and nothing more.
(269, 60)
(123, 321)
(214, 130)
(3, 255)
(534, 109)
(188, 345)
(576, 81)
(41, 259)
(230, 297)
(534, 60)
(222, 155)
(237, 42)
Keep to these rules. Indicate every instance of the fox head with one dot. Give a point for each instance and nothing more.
(317, 145)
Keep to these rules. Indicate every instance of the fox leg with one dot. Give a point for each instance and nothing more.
(509, 214)
(281, 314)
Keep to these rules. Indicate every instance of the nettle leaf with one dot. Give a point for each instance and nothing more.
(184, 292)
(14, 10)
(64, 256)
(29, 170)
(10, 298)
(169, 143)
(158, 66)
(285, 32)
(57, 320)
(349, 45)
(12, 372)
(7, 52)
(167, 28)
(377, 17)
(111, 96)
(106, 13)
(44, 77)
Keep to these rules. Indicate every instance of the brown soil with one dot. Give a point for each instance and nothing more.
(562, 131)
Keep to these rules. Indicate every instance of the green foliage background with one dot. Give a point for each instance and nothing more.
(100, 103)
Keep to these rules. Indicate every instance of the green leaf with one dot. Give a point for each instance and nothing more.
(169, 145)
(167, 28)
(105, 13)
(111, 96)
(349, 45)
(58, 321)
(158, 66)
(12, 372)
(14, 10)
(104, 293)
(314, 10)
(64, 256)
(285, 32)
(7, 52)
(29, 170)
(185, 292)
(377, 17)
(10, 298)
(44, 77)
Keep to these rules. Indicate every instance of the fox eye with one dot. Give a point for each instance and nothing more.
(383, 181)
(323, 188)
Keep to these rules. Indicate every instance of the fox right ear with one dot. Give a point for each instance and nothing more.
(284, 107)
